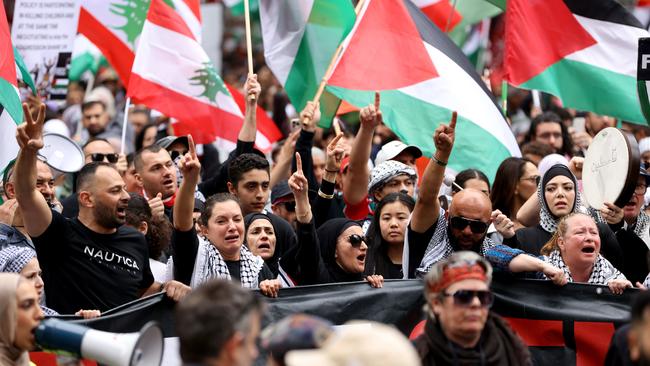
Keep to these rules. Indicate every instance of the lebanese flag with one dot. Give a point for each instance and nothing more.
(173, 74)
(115, 27)
(422, 77)
(11, 111)
(441, 13)
(584, 52)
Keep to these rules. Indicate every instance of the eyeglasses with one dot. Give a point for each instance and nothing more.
(533, 179)
(460, 223)
(466, 297)
(112, 158)
(175, 153)
(356, 240)
(640, 189)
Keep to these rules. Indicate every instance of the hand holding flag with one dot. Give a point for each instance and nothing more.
(310, 115)
(253, 89)
(30, 134)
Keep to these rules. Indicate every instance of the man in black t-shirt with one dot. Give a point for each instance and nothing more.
(92, 261)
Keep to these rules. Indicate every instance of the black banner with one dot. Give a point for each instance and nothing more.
(570, 325)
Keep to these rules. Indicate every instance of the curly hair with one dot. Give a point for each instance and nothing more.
(245, 163)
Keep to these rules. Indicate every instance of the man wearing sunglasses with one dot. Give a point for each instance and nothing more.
(460, 327)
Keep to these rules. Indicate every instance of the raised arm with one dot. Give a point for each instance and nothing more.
(282, 168)
(528, 214)
(427, 207)
(309, 117)
(249, 129)
(323, 201)
(32, 203)
(184, 203)
(355, 182)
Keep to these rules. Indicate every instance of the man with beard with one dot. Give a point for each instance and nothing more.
(92, 261)
(156, 172)
(634, 235)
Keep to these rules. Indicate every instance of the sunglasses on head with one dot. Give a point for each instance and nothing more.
(112, 158)
(356, 240)
(175, 153)
(460, 223)
(466, 297)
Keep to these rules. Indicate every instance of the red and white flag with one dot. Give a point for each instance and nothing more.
(173, 74)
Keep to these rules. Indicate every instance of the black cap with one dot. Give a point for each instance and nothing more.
(279, 191)
(167, 141)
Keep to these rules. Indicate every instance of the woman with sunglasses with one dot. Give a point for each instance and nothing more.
(559, 197)
(336, 252)
(460, 329)
(515, 181)
(387, 234)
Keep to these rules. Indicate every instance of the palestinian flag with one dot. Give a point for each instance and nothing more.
(440, 12)
(583, 52)
(300, 38)
(115, 26)
(422, 78)
(173, 74)
(86, 57)
(11, 110)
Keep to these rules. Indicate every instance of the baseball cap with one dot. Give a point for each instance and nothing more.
(280, 191)
(167, 141)
(394, 148)
(359, 344)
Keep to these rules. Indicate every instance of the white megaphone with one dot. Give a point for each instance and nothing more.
(115, 349)
(61, 153)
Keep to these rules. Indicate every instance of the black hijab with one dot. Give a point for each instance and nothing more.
(328, 235)
(273, 262)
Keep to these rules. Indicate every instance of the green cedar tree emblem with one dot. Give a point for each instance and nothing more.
(134, 13)
(211, 82)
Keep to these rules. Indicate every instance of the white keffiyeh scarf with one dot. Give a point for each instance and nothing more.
(601, 274)
(209, 264)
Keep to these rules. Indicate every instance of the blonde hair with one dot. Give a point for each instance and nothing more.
(562, 228)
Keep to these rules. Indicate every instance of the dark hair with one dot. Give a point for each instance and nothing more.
(377, 260)
(137, 159)
(245, 163)
(139, 138)
(551, 117)
(94, 139)
(87, 173)
(92, 103)
(536, 148)
(159, 230)
(467, 174)
(505, 182)
(210, 315)
(130, 159)
(206, 214)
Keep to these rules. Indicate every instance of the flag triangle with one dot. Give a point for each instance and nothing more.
(384, 30)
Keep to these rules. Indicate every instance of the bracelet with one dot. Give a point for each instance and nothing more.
(326, 196)
(332, 171)
(439, 162)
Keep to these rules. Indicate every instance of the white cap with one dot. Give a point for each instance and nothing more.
(644, 145)
(56, 126)
(359, 344)
(394, 148)
(550, 160)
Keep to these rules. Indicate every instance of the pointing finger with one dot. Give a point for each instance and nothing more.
(298, 163)
(454, 116)
(377, 100)
(190, 142)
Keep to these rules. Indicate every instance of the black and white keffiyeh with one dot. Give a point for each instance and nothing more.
(209, 264)
(440, 247)
(601, 274)
(549, 222)
(641, 225)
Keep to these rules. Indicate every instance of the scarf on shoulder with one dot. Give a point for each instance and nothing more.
(601, 274)
(641, 225)
(209, 264)
(498, 346)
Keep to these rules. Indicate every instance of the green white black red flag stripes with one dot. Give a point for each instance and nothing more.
(300, 38)
(114, 26)
(422, 78)
(173, 74)
(11, 112)
(590, 64)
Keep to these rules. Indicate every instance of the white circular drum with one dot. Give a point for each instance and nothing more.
(611, 168)
(61, 153)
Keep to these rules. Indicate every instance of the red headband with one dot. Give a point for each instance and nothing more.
(458, 273)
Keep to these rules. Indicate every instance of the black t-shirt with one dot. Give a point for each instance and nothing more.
(185, 245)
(86, 270)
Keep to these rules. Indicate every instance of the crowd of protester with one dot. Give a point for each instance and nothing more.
(173, 216)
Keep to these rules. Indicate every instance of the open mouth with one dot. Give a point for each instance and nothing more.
(168, 182)
(265, 246)
(588, 250)
(121, 211)
(232, 237)
(361, 258)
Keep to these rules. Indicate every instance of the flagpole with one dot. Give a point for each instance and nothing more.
(321, 87)
(504, 97)
(126, 117)
(451, 14)
(249, 46)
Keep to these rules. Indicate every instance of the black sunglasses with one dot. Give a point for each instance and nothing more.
(175, 153)
(112, 158)
(465, 297)
(356, 240)
(460, 223)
